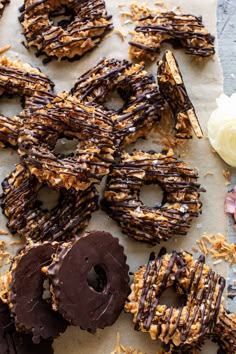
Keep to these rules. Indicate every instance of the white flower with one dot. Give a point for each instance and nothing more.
(222, 128)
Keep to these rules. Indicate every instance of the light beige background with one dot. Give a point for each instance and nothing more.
(204, 84)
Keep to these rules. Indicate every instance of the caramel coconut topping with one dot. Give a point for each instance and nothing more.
(27, 219)
(172, 87)
(180, 200)
(67, 117)
(85, 24)
(34, 88)
(142, 102)
(183, 30)
(200, 287)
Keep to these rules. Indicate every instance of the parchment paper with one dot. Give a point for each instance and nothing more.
(204, 84)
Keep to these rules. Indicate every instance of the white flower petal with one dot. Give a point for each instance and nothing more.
(222, 128)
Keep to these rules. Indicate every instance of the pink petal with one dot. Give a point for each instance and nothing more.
(230, 202)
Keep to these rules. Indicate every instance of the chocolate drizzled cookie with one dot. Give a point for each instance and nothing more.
(27, 219)
(34, 88)
(90, 303)
(85, 24)
(202, 290)
(180, 200)
(225, 331)
(182, 30)
(142, 102)
(33, 313)
(173, 90)
(66, 116)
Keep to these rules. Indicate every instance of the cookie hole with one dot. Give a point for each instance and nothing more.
(151, 195)
(47, 198)
(210, 347)
(66, 147)
(170, 298)
(62, 17)
(96, 278)
(10, 106)
(113, 101)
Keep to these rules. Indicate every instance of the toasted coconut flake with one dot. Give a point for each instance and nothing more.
(17, 242)
(3, 232)
(208, 174)
(5, 48)
(218, 261)
(5, 281)
(218, 248)
(227, 174)
(4, 254)
(122, 349)
(120, 34)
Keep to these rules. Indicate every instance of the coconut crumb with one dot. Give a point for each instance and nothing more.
(208, 174)
(5, 281)
(163, 133)
(5, 256)
(138, 11)
(122, 5)
(17, 242)
(5, 48)
(120, 34)
(3, 232)
(217, 247)
(122, 349)
(159, 3)
(227, 174)
(218, 261)
(194, 249)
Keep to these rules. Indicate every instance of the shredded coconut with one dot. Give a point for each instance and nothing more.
(122, 349)
(4, 255)
(217, 246)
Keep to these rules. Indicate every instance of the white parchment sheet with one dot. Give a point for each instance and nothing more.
(204, 85)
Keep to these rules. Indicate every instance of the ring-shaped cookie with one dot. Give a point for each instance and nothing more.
(202, 290)
(32, 313)
(15, 342)
(142, 100)
(34, 88)
(27, 219)
(180, 203)
(183, 30)
(84, 29)
(66, 116)
(90, 307)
